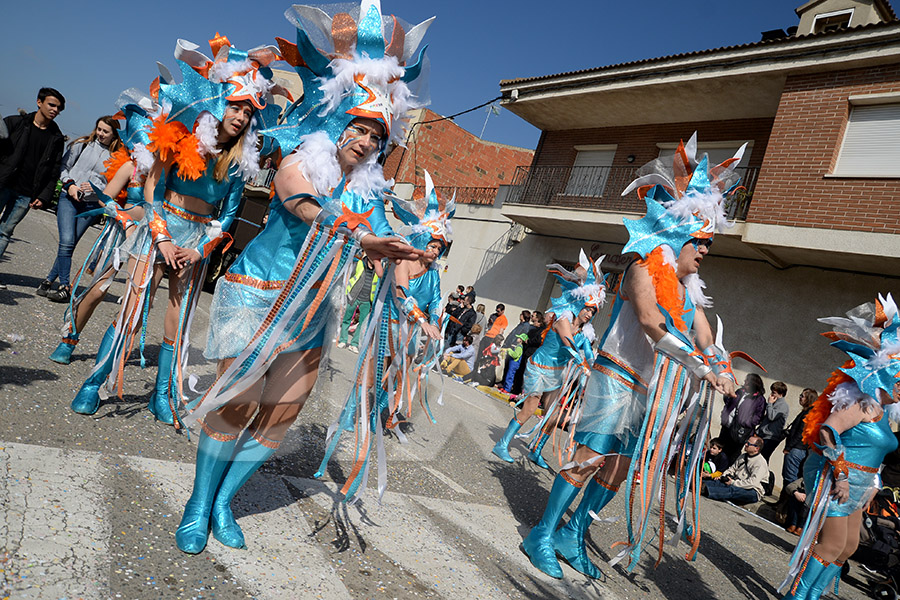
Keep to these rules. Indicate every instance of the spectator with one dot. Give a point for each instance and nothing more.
(741, 414)
(496, 326)
(794, 448)
(480, 324)
(470, 294)
(459, 360)
(716, 461)
(361, 294)
(30, 158)
(454, 301)
(535, 338)
(523, 326)
(83, 165)
(771, 427)
(513, 361)
(742, 482)
(795, 509)
(462, 323)
(485, 372)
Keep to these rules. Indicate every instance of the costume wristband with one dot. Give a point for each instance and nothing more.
(689, 357)
(720, 364)
(159, 230)
(412, 311)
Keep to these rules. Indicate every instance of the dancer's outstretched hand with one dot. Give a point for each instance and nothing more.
(388, 247)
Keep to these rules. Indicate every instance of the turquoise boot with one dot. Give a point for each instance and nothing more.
(569, 540)
(63, 352)
(831, 573)
(87, 400)
(802, 588)
(538, 545)
(501, 449)
(248, 457)
(213, 457)
(159, 402)
(535, 455)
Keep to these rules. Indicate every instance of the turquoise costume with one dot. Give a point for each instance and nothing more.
(200, 99)
(556, 365)
(684, 205)
(869, 336)
(104, 257)
(277, 297)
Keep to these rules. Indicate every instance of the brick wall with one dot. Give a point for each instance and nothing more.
(557, 148)
(804, 146)
(454, 157)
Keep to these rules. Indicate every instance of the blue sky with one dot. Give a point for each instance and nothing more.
(92, 50)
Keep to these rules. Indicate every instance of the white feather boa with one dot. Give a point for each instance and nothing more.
(316, 157)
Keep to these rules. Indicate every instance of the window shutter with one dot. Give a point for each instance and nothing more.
(871, 142)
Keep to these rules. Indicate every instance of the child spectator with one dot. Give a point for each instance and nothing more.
(716, 461)
(514, 361)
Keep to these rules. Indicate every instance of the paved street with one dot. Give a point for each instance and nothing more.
(90, 504)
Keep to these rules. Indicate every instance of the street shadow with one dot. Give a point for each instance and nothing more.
(24, 376)
(769, 538)
(525, 490)
(740, 573)
(11, 297)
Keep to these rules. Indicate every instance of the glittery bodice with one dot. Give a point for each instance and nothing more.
(205, 187)
(868, 443)
(426, 289)
(271, 255)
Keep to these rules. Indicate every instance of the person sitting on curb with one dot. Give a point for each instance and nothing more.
(742, 482)
(460, 359)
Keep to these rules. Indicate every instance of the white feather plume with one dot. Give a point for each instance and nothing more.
(207, 134)
(695, 286)
(316, 157)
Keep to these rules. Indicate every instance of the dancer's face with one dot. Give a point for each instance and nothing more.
(237, 117)
(585, 315)
(360, 140)
(690, 257)
(432, 251)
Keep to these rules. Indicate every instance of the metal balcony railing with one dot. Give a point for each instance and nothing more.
(464, 195)
(600, 188)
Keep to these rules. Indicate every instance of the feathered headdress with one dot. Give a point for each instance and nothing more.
(195, 106)
(428, 218)
(578, 291)
(685, 199)
(138, 110)
(869, 336)
(353, 63)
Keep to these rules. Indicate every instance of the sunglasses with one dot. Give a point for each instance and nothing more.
(704, 242)
(751, 444)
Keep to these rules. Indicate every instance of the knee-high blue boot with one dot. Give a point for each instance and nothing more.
(830, 573)
(213, 457)
(801, 589)
(501, 449)
(248, 457)
(63, 352)
(535, 455)
(87, 400)
(538, 545)
(159, 402)
(569, 540)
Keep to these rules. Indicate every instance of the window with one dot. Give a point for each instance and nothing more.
(832, 21)
(590, 171)
(717, 151)
(871, 146)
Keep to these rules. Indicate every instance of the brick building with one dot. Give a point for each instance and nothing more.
(817, 230)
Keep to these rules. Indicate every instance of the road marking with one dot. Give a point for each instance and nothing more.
(438, 475)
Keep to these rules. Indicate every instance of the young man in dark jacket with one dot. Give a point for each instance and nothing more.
(30, 161)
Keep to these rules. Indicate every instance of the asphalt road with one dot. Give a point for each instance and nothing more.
(89, 505)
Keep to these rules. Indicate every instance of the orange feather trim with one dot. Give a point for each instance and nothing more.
(172, 140)
(812, 423)
(113, 164)
(668, 289)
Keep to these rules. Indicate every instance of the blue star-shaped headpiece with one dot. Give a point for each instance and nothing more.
(870, 338)
(578, 291)
(427, 218)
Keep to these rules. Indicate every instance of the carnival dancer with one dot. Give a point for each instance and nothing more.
(849, 434)
(583, 294)
(194, 187)
(656, 327)
(269, 312)
(415, 302)
(126, 170)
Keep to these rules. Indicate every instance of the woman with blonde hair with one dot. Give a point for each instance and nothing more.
(83, 165)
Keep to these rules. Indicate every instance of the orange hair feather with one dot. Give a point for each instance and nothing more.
(812, 423)
(173, 140)
(113, 164)
(668, 289)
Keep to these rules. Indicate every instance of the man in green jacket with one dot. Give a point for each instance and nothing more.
(360, 294)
